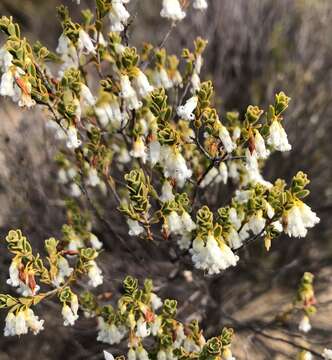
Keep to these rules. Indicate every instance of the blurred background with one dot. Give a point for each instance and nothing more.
(256, 48)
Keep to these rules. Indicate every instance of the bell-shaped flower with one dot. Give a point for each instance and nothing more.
(277, 138)
(118, 16)
(110, 333)
(139, 150)
(200, 4)
(298, 219)
(142, 84)
(129, 94)
(226, 139)
(186, 111)
(87, 96)
(304, 324)
(85, 42)
(95, 274)
(72, 139)
(135, 229)
(172, 10)
(212, 257)
(174, 165)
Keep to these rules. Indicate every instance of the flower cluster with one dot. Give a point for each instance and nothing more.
(27, 269)
(150, 328)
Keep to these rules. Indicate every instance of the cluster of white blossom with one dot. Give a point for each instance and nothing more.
(69, 313)
(212, 256)
(172, 9)
(14, 82)
(21, 322)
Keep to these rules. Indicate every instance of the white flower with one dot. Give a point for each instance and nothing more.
(277, 225)
(95, 274)
(195, 83)
(188, 275)
(139, 150)
(234, 239)
(304, 324)
(156, 325)
(142, 84)
(307, 356)
(54, 127)
(251, 160)
(190, 345)
(154, 152)
(260, 149)
(85, 42)
(269, 210)
(298, 219)
(177, 79)
(327, 354)
(142, 330)
(236, 133)
(109, 112)
(87, 95)
(7, 84)
(242, 196)
(131, 354)
(20, 323)
(184, 241)
(177, 224)
(200, 4)
(166, 192)
(6, 59)
(142, 354)
(72, 140)
(278, 137)
(33, 322)
(234, 169)
(210, 177)
(223, 173)
(135, 228)
(93, 178)
(14, 279)
(244, 232)
(68, 54)
(95, 242)
(129, 94)
(174, 222)
(68, 316)
(118, 16)
(156, 302)
(180, 336)
(186, 111)
(75, 190)
(161, 355)
(110, 333)
(212, 257)
(64, 270)
(234, 218)
(75, 243)
(226, 139)
(174, 165)
(257, 223)
(227, 354)
(172, 10)
(187, 222)
(160, 78)
(108, 356)
(23, 95)
(216, 175)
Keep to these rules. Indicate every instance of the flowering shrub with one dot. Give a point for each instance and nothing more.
(150, 119)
